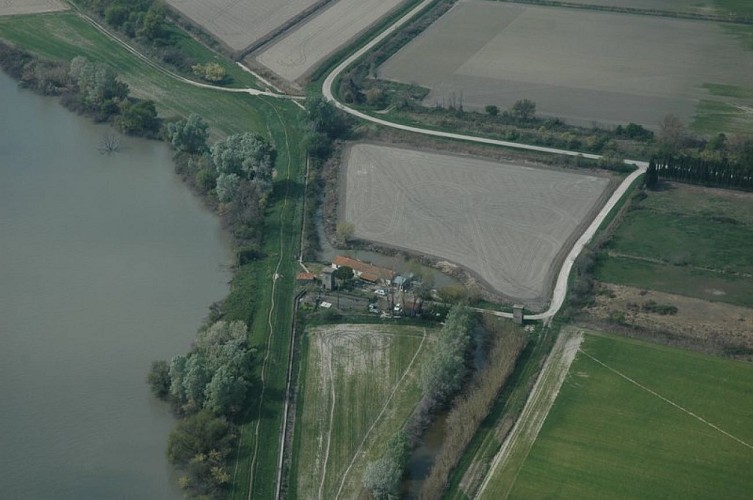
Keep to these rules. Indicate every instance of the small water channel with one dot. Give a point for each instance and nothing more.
(107, 262)
(423, 457)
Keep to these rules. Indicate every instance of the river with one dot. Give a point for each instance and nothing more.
(107, 262)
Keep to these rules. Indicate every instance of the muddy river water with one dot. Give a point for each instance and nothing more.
(107, 262)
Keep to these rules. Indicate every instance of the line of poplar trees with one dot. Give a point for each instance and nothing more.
(694, 170)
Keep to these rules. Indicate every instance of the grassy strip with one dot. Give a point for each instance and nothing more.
(712, 116)
(608, 437)
(271, 327)
(66, 35)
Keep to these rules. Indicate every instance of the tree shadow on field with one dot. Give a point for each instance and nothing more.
(273, 399)
(286, 187)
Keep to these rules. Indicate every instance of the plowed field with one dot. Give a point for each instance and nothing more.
(506, 223)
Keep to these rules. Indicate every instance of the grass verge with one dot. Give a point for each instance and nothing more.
(274, 288)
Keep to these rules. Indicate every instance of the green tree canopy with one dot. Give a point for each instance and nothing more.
(138, 119)
(189, 135)
(247, 155)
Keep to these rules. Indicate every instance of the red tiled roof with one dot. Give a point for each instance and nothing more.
(305, 276)
(370, 277)
(362, 267)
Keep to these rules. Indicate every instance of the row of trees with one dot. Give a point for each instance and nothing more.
(441, 379)
(472, 407)
(143, 19)
(146, 23)
(209, 386)
(698, 170)
(236, 171)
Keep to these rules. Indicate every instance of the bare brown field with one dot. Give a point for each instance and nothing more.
(240, 23)
(508, 224)
(714, 324)
(17, 7)
(583, 66)
(295, 54)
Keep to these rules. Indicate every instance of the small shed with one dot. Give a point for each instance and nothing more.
(328, 279)
(517, 313)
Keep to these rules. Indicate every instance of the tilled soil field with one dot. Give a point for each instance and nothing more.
(506, 223)
(240, 23)
(583, 66)
(16, 7)
(293, 55)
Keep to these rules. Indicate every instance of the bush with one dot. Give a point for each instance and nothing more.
(159, 379)
(382, 477)
(656, 308)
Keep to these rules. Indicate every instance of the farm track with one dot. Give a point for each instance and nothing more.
(520, 440)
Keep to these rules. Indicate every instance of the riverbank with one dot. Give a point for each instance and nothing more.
(262, 290)
(107, 263)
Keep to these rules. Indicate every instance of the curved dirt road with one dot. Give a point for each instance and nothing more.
(560, 288)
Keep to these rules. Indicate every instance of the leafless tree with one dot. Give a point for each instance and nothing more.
(109, 144)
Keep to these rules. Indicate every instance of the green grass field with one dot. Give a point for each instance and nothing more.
(359, 385)
(66, 35)
(609, 437)
(686, 240)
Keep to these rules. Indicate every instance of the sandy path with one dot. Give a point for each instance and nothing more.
(542, 397)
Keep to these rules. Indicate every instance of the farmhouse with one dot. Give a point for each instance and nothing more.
(362, 270)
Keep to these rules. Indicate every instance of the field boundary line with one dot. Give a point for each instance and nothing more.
(654, 393)
(532, 418)
(376, 420)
